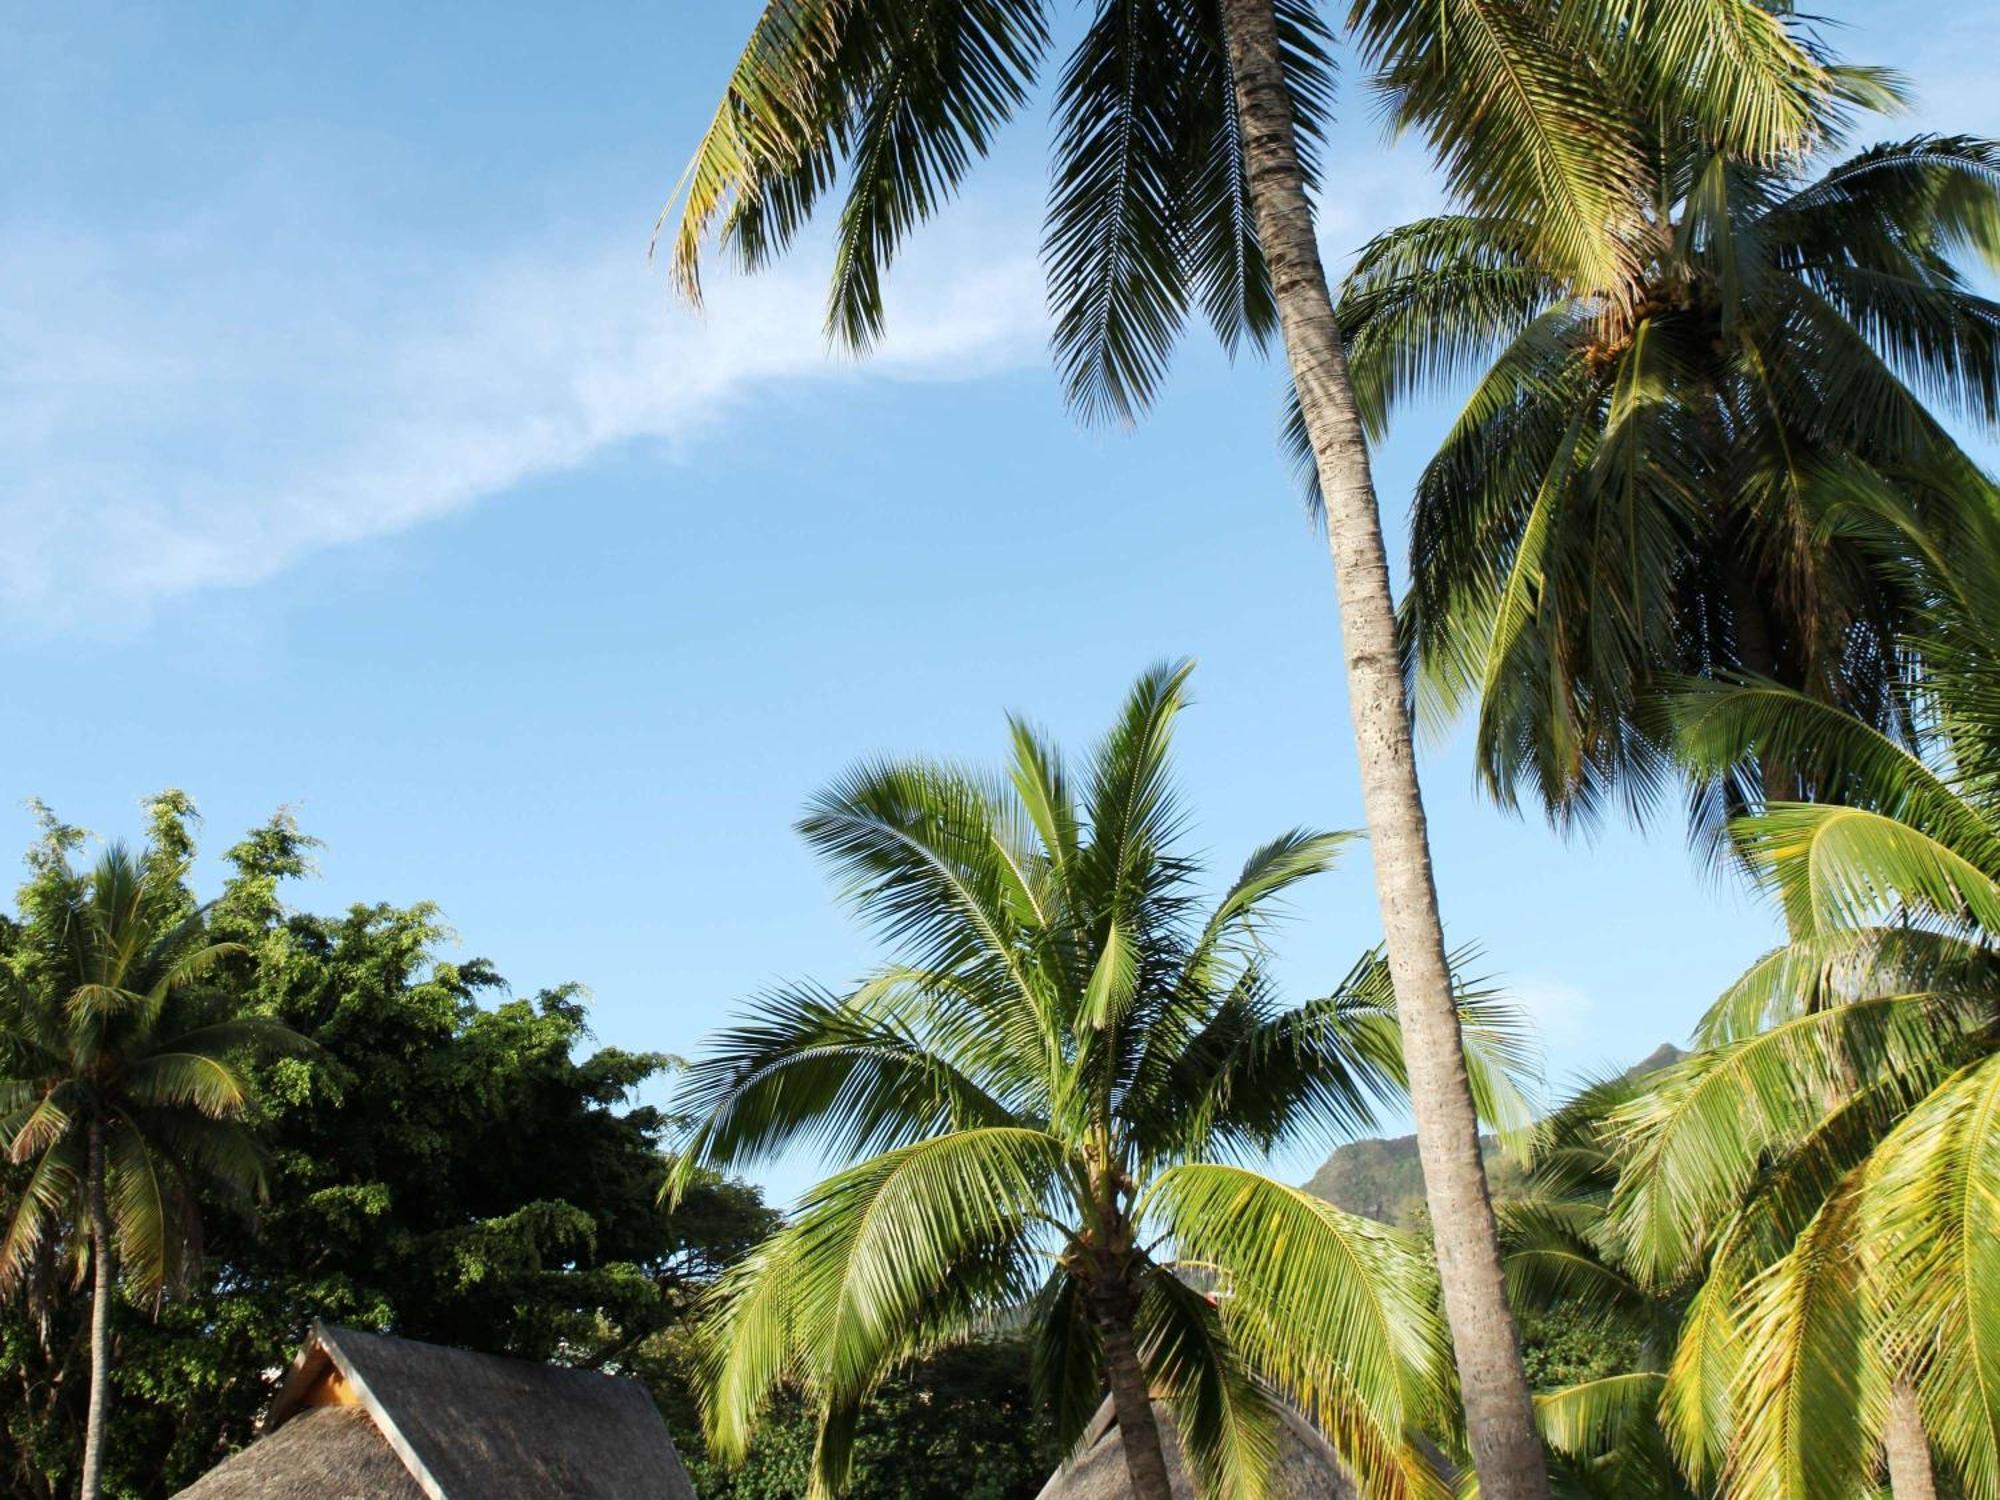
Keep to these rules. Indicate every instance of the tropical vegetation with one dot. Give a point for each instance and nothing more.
(1185, 156)
(1053, 1095)
(1704, 524)
(1823, 1163)
(437, 1157)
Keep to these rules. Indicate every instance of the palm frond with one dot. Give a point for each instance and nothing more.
(1525, 127)
(1929, 1207)
(48, 1198)
(809, 1066)
(1325, 1305)
(1699, 1136)
(1731, 66)
(904, 98)
(1810, 1387)
(1226, 1423)
(1590, 1418)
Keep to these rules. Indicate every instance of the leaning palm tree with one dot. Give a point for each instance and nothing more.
(1636, 488)
(1186, 151)
(1827, 1164)
(120, 1092)
(1056, 1088)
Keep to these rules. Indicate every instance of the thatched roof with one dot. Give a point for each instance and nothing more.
(1308, 1468)
(449, 1425)
(328, 1452)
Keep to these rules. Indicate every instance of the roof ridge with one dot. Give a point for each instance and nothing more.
(399, 1443)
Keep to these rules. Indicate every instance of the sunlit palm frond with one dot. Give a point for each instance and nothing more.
(1698, 1139)
(1733, 66)
(1591, 1417)
(1837, 866)
(1698, 1407)
(1319, 1301)
(1226, 1423)
(1809, 1390)
(902, 98)
(184, 1077)
(1525, 125)
(1930, 1208)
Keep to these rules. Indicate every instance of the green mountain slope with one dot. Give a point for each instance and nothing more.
(1383, 1180)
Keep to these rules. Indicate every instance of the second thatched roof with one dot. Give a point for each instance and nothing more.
(1308, 1468)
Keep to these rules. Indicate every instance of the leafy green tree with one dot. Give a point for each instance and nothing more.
(121, 1083)
(1185, 153)
(1826, 1164)
(1050, 1090)
(1640, 487)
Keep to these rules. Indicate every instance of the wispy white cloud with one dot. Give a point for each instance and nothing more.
(206, 405)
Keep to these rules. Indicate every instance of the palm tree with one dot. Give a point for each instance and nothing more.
(1185, 153)
(1638, 486)
(1827, 1163)
(119, 1093)
(1054, 1088)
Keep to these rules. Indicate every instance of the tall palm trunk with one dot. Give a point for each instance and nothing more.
(101, 1293)
(1132, 1399)
(1906, 1446)
(1499, 1414)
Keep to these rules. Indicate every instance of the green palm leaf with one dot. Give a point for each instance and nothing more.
(1931, 1203)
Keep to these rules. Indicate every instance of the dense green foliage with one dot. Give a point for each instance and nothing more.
(1825, 1167)
(446, 1162)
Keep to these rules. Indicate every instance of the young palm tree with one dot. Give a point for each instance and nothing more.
(1055, 1087)
(119, 1090)
(1828, 1159)
(1185, 153)
(1638, 486)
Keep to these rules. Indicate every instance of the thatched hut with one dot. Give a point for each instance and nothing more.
(1308, 1468)
(364, 1417)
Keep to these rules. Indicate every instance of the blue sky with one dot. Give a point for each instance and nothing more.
(353, 457)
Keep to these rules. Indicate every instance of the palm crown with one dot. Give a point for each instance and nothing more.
(110, 1029)
(1054, 1090)
(1640, 483)
(1828, 1160)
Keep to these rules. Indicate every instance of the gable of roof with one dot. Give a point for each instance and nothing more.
(1307, 1466)
(480, 1427)
(324, 1453)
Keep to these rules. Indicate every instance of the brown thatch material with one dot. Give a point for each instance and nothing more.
(324, 1453)
(462, 1426)
(1308, 1468)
